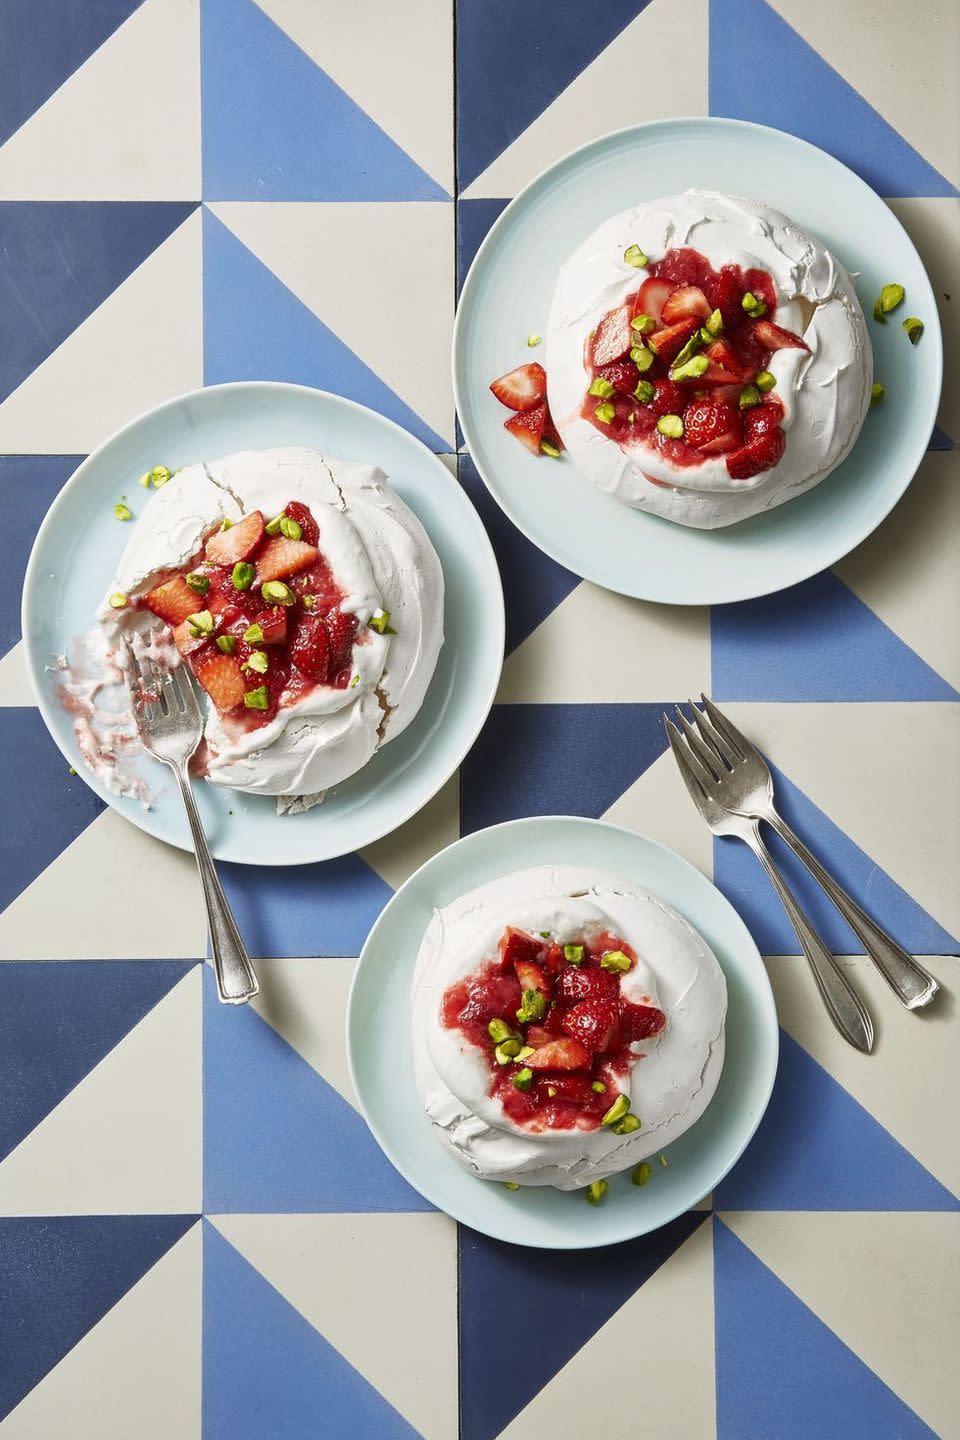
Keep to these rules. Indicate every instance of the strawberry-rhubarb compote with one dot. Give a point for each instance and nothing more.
(566, 1025)
(707, 360)
(307, 600)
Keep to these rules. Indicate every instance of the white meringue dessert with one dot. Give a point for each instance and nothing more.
(315, 603)
(566, 1025)
(661, 324)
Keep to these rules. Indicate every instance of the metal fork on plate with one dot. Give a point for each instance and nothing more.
(170, 725)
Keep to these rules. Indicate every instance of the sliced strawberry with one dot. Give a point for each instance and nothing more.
(562, 1054)
(309, 530)
(761, 454)
(533, 977)
(652, 296)
(731, 439)
(528, 427)
(281, 557)
(310, 647)
(226, 547)
(553, 1021)
(570, 1087)
(553, 960)
(185, 640)
(728, 294)
(685, 266)
(639, 1022)
(760, 284)
(614, 338)
(517, 946)
(591, 1022)
(273, 623)
(761, 419)
(474, 1002)
(523, 388)
(724, 368)
(705, 423)
(221, 677)
(341, 633)
(577, 983)
(670, 341)
(622, 375)
(726, 394)
(537, 1035)
(687, 302)
(173, 601)
(668, 398)
(775, 338)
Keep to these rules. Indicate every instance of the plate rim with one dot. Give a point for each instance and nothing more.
(35, 669)
(680, 122)
(765, 990)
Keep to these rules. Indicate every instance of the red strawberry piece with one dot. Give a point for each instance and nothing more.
(727, 296)
(775, 338)
(579, 983)
(726, 394)
(687, 302)
(523, 388)
(173, 601)
(528, 427)
(309, 530)
(761, 454)
(761, 419)
(476, 1002)
(553, 1022)
(318, 581)
(341, 632)
(668, 398)
(591, 1022)
(281, 557)
(537, 1035)
(553, 960)
(310, 647)
(564, 1053)
(639, 1022)
(707, 424)
(652, 296)
(570, 1087)
(622, 375)
(517, 945)
(614, 338)
(760, 284)
(226, 547)
(273, 623)
(670, 341)
(725, 367)
(220, 676)
(685, 266)
(186, 641)
(533, 977)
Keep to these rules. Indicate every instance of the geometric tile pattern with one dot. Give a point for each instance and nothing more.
(198, 1235)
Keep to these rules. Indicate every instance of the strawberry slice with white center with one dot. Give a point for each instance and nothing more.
(173, 601)
(281, 557)
(341, 632)
(528, 427)
(273, 626)
(669, 341)
(186, 638)
(614, 338)
(652, 296)
(724, 367)
(523, 388)
(591, 1022)
(685, 303)
(712, 428)
(566, 1053)
(760, 454)
(532, 977)
(226, 547)
(221, 677)
(776, 338)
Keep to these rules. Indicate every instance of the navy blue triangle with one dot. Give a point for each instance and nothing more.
(512, 64)
(781, 1372)
(276, 127)
(817, 1148)
(254, 328)
(817, 104)
(940, 440)
(42, 45)
(46, 807)
(28, 484)
(59, 1276)
(474, 219)
(737, 873)
(277, 1139)
(567, 1297)
(816, 641)
(267, 1372)
(60, 260)
(533, 584)
(556, 760)
(58, 1020)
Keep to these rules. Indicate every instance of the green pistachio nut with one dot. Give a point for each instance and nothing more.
(381, 623)
(523, 1079)
(671, 426)
(227, 643)
(642, 358)
(641, 1174)
(601, 388)
(122, 512)
(291, 528)
(890, 297)
(145, 480)
(547, 447)
(225, 525)
(663, 1162)
(510, 1185)
(877, 393)
(258, 699)
(606, 413)
(499, 1030)
(878, 314)
(627, 1125)
(258, 662)
(199, 583)
(272, 527)
(595, 1191)
(573, 954)
(308, 602)
(643, 324)
(201, 623)
(749, 396)
(551, 1091)
(253, 634)
(765, 382)
(599, 1086)
(617, 1111)
(507, 1052)
(275, 592)
(691, 369)
(159, 476)
(753, 305)
(118, 600)
(689, 350)
(706, 338)
(913, 328)
(524, 1053)
(644, 392)
(615, 960)
(242, 575)
(534, 340)
(534, 1007)
(633, 255)
(715, 323)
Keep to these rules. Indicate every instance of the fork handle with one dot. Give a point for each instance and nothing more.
(236, 981)
(908, 980)
(844, 1006)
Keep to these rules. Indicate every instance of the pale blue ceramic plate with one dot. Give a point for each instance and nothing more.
(78, 545)
(507, 296)
(381, 1059)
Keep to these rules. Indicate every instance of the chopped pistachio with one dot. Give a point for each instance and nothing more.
(715, 323)
(749, 396)
(258, 699)
(631, 417)
(381, 623)
(615, 960)
(277, 593)
(545, 934)
(617, 1110)
(606, 413)
(534, 1007)
(547, 447)
(753, 305)
(641, 1174)
(354, 682)
(595, 1191)
(599, 1086)
(534, 340)
(122, 512)
(601, 388)
(159, 476)
(644, 392)
(510, 1185)
(227, 643)
(689, 350)
(499, 1030)
(877, 393)
(664, 1162)
(573, 954)
(878, 314)
(642, 358)
(118, 600)
(272, 527)
(507, 1051)
(71, 771)
(890, 297)
(258, 662)
(308, 601)
(691, 369)
(197, 582)
(242, 576)
(706, 337)
(253, 634)
(524, 1053)
(201, 623)
(551, 1091)
(291, 528)
(523, 1078)
(633, 255)
(643, 324)
(145, 480)
(225, 524)
(627, 1125)
(671, 425)
(913, 328)
(765, 381)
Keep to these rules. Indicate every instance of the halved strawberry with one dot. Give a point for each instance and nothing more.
(185, 639)
(591, 1022)
(726, 394)
(761, 419)
(528, 427)
(537, 1035)
(522, 388)
(622, 375)
(173, 601)
(226, 547)
(668, 343)
(310, 647)
(309, 530)
(668, 398)
(759, 283)
(687, 302)
(711, 427)
(517, 946)
(652, 296)
(579, 983)
(759, 455)
(220, 676)
(281, 557)
(553, 960)
(775, 338)
(614, 338)
(639, 1022)
(564, 1053)
(728, 295)
(341, 633)
(533, 977)
(273, 623)
(724, 367)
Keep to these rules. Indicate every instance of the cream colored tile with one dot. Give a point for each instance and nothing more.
(306, 1002)
(15, 687)
(437, 825)
(658, 805)
(934, 227)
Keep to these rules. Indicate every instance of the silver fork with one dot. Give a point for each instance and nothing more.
(749, 791)
(170, 726)
(701, 777)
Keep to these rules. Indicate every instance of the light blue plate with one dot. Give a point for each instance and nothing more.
(507, 296)
(79, 543)
(381, 1058)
